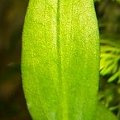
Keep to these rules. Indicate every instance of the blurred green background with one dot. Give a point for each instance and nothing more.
(12, 13)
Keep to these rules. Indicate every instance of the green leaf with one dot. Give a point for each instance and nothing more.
(113, 77)
(104, 114)
(60, 59)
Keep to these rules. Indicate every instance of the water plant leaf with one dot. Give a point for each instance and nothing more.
(60, 59)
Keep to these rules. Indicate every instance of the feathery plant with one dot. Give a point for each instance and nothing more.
(110, 59)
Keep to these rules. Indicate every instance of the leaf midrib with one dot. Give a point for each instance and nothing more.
(62, 91)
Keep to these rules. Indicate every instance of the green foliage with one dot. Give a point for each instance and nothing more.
(108, 13)
(110, 59)
(60, 64)
(109, 93)
(60, 59)
(104, 114)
